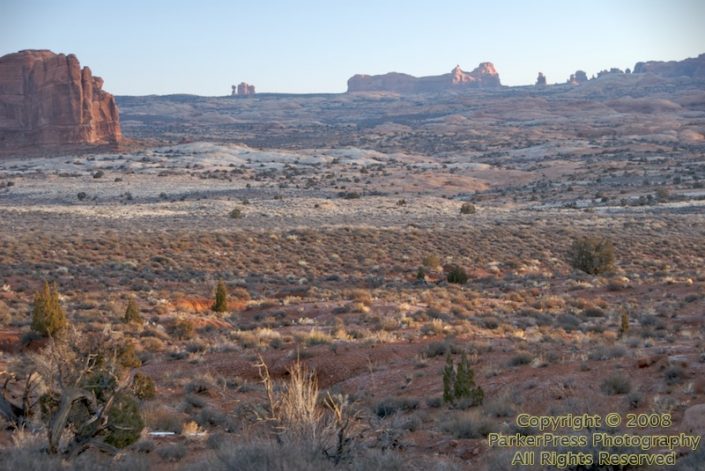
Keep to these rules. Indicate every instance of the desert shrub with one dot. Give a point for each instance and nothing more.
(592, 255)
(674, 374)
(436, 349)
(392, 405)
(616, 385)
(468, 426)
(520, 359)
(635, 399)
(468, 208)
(457, 275)
(567, 321)
(434, 402)
(241, 294)
(602, 353)
(499, 407)
(99, 174)
(47, 315)
(81, 195)
(264, 456)
(127, 356)
(163, 419)
(143, 386)
(183, 329)
(125, 421)
(172, 452)
(594, 312)
(132, 312)
(236, 213)
(200, 385)
(431, 261)
(317, 337)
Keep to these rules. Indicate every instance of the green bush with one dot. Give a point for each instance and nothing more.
(125, 421)
(457, 275)
(592, 255)
(235, 213)
(468, 208)
(221, 298)
(47, 315)
(459, 384)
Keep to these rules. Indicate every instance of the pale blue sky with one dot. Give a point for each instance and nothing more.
(203, 47)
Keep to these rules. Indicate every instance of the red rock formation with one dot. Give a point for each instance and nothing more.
(691, 67)
(47, 99)
(483, 76)
(244, 89)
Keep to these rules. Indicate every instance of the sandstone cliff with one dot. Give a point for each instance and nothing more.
(46, 99)
(483, 76)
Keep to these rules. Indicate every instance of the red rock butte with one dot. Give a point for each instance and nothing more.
(46, 99)
(484, 76)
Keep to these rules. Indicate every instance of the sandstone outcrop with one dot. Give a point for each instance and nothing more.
(243, 89)
(693, 67)
(484, 76)
(578, 77)
(541, 80)
(46, 99)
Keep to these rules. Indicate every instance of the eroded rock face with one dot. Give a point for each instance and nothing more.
(693, 67)
(46, 99)
(484, 76)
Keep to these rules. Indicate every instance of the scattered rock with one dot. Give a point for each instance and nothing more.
(694, 420)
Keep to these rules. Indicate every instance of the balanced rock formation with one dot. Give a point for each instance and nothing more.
(483, 76)
(243, 89)
(47, 99)
(693, 68)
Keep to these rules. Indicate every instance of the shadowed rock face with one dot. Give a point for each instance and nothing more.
(484, 76)
(693, 67)
(46, 99)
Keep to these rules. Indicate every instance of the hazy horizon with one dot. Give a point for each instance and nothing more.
(315, 46)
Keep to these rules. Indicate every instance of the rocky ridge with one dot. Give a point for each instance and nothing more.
(483, 76)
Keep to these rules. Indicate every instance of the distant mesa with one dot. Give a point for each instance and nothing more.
(484, 76)
(541, 80)
(693, 68)
(46, 99)
(243, 89)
